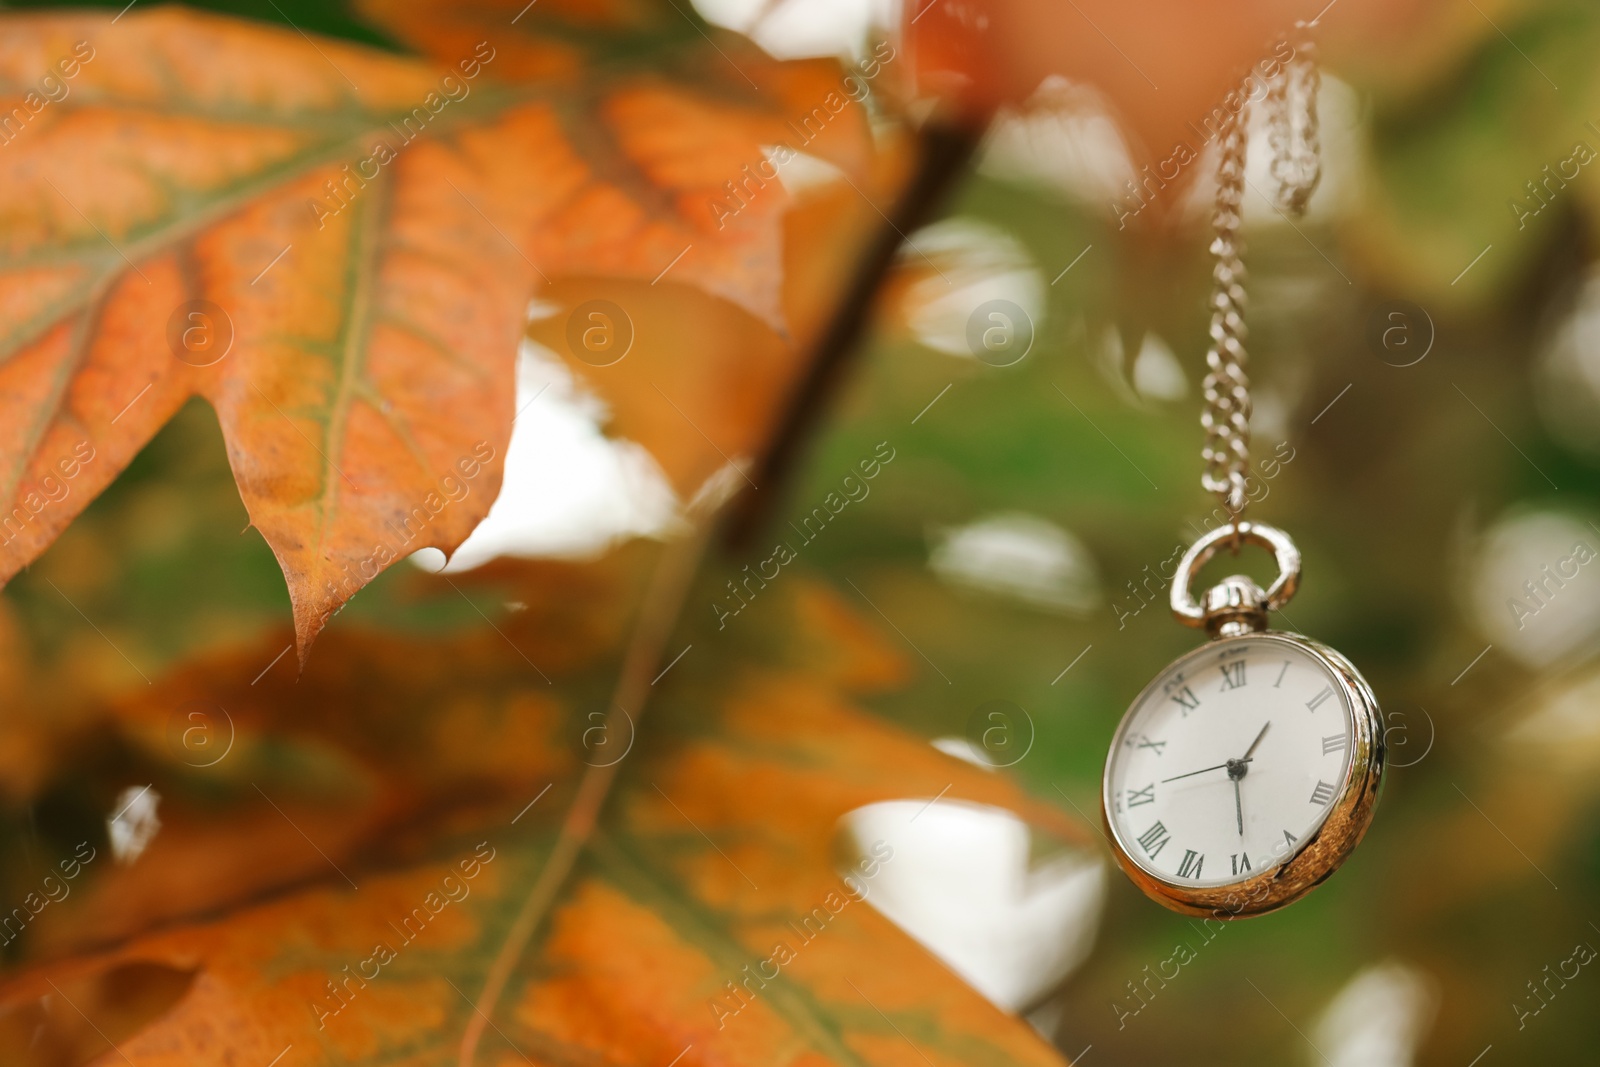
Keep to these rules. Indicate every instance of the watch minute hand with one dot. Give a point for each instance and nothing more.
(1202, 770)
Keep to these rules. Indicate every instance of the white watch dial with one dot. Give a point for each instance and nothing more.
(1229, 763)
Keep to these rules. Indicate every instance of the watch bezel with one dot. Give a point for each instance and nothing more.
(1322, 852)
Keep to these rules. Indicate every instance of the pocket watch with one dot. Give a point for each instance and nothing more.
(1245, 772)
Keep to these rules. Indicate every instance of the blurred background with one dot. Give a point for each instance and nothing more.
(1426, 370)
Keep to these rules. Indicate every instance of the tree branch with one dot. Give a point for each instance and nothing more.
(945, 152)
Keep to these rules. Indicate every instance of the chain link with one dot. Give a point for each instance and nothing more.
(1292, 129)
(1291, 105)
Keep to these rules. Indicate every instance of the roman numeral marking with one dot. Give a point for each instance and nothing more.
(1186, 699)
(1147, 795)
(1281, 674)
(1232, 675)
(1334, 743)
(1240, 861)
(1289, 840)
(1322, 793)
(1317, 701)
(1154, 840)
(1145, 742)
(1189, 866)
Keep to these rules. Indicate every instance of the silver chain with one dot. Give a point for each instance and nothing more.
(1291, 104)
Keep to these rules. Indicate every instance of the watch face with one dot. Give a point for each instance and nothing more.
(1230, 761)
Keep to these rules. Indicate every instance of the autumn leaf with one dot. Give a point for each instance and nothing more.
(431, 795)
(334, 247)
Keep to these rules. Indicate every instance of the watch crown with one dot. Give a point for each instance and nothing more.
(1236, 605)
